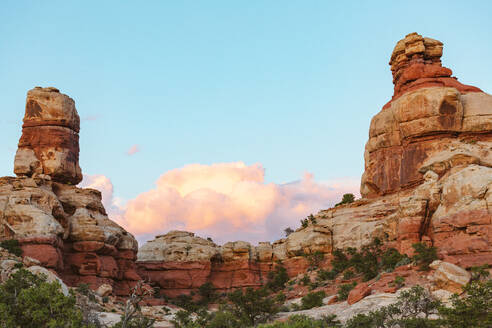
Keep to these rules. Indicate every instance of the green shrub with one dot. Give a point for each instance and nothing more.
(278, 278)
(288, 231)
(473, 310)
(391, 258)
(12, 245)
(252, 306)
(28, 301)
(479, 273)
(346, 199)
(424, 255)
(304, 223)
(302, 321)
(344, 290)
(207, 293)
(312, 219)
(312, 300)
(185, 302)
(326, 275)
(399, 281)
(412, 310)
(305, 280)
(348, 274)
(314, 259)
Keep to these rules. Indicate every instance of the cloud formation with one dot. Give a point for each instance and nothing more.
(225, 201)
(133, 150)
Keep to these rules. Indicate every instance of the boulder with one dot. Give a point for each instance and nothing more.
(359, 292)
(104, 290)
(448, 276)
(50, 277)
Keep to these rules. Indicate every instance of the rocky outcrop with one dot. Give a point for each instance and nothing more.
(64, 227)
(180, 262)
(427, 178)
(49, 144)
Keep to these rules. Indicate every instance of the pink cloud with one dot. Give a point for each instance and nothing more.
(225, 201)
(133, 150)
(105, 186)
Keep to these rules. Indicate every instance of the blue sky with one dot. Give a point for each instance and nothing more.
(288, 84)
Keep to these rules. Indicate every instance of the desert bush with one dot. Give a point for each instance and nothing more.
(344, 290)
(412, 310)
(391, 258)
(28, 301)
(207, 293)
(326, 275)
(288, 231)
(348, 274)
(346, 199)
(185, 302)
(311, 300)
(314, 259)
(12, 245)
(302, 321)
(472, 310)
(277, 278)
(252, 306)
(424, 255)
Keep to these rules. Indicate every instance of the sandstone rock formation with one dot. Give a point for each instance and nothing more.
(428, 176)
(49, 143)
(64, 227)
(180, 262)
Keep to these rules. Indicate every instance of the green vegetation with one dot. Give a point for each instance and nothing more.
(314, 259)
(344, 290)
(302, 321)
(27, 300)
(243, 309)
(277, 278)
(424, 255)
(311, 300)
(288, 231)
(12, 245)
(207, 293)
(368, 262)
(474, 310)
(346, 199)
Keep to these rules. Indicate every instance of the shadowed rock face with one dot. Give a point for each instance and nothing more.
(49, 143)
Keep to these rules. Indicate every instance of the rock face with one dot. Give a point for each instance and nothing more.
(64, 227)
(180, 262)
(50, 137)
(428, 178)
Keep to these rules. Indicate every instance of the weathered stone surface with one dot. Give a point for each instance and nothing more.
(416, 63)
(359, 292)
(104, 290)
(431, 115)
(50, 277)
(49, 143)
(450, 277)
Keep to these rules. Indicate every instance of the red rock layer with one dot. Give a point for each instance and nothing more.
(176, 278)
(50, 137)
(416, 63)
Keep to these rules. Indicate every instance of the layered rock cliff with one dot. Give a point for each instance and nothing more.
(65, 227)
(428, 178)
